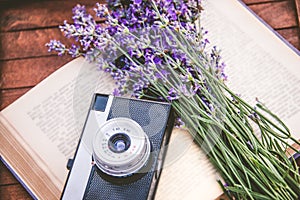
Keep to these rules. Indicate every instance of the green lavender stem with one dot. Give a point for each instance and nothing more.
(254, 173)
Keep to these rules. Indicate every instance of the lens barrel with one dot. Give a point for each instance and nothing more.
(119, 142)
(121, 147)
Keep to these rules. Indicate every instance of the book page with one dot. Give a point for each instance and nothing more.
(49, 118)
(259, 64)
(187, 173)
(21, 161)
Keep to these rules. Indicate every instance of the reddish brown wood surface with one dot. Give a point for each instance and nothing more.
(25, 27)
(39, 14)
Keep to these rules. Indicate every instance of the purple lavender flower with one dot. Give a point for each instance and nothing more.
(83, 28)
(74, 51)
(144, 44)
(179, 123)
(172, 95)
(162, 75)
(55, 45)
(81, 17)
(101, 10)
(116, 92)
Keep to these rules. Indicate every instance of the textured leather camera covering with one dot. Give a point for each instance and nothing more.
(99, 188)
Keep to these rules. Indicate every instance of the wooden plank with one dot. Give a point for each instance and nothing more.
(29, 72)
(291, 35)
(6, 178)
(9, 96)
(36, 14)
(13, 192)
(258, 1)
(26, 44)
(277, 14)
(297, 3)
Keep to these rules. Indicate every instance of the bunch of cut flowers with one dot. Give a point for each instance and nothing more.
(158, 50)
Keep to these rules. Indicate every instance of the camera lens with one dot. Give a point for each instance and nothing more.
(119, 142)
(121, 148)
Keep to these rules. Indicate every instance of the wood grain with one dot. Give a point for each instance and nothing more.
(29, 43)
(25, 27)
(277, 14)
(249, 2)
(39, 14)
(10, 95)
(297, 4)
(29, 72)
(5, 177)
(10, 185)
(291, 35)
(14, 192)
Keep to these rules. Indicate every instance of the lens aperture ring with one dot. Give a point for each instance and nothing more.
(121, 147)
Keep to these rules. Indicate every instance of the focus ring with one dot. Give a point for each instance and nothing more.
(121, 147)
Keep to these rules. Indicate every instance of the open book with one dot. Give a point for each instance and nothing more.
(40, 131)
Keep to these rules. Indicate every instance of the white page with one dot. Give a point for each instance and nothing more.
(49, 118)
(259, 64)
(189, 174)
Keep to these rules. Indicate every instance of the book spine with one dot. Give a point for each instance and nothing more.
(16, 175)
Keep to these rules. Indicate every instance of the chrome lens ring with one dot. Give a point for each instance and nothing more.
(121, 147)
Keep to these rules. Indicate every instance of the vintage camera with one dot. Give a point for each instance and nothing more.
(121, 150)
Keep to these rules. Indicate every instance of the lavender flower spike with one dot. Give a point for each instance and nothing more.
(55, 45)
(173, 95)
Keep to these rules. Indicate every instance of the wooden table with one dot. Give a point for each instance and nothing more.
(25, 27)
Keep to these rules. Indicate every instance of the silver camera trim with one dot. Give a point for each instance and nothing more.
(125, 163)
(82, 166)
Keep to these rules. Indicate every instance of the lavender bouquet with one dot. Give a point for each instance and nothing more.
(158, 50)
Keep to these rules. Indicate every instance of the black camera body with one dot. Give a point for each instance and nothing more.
(121, 150)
